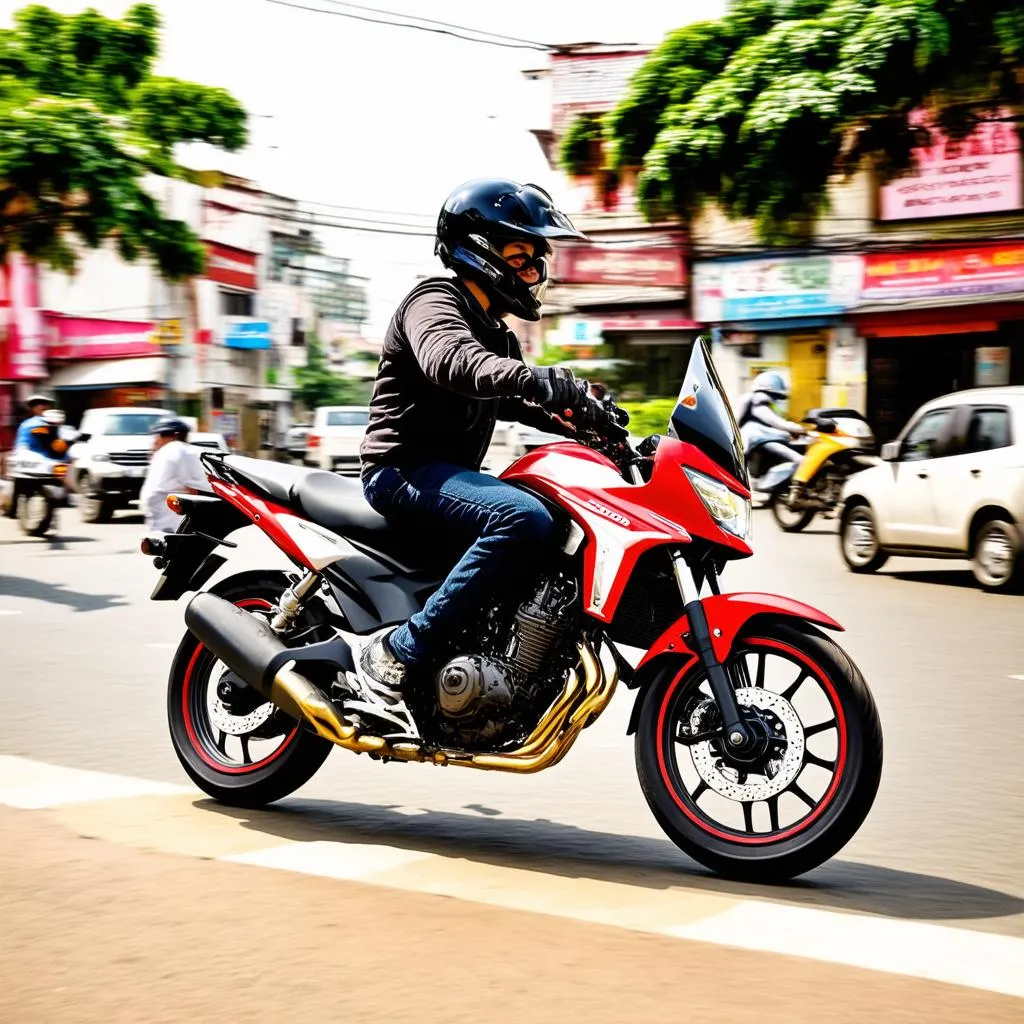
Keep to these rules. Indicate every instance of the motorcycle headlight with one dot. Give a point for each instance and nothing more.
(726, 507)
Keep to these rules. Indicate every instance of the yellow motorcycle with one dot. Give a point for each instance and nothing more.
(841, 444)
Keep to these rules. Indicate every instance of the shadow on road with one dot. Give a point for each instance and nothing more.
(56, 593)
(554, 848)
(962, 578)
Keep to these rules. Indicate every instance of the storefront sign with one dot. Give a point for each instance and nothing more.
(230, 266)
(980, 270)
(22, 333)
(978, 174)
(767, 289)
(80, 337)
(646, 265)
(991, 366)
(247, 334)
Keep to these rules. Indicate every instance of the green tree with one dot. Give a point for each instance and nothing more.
(759, 110)
(82, 120)
(318, 384)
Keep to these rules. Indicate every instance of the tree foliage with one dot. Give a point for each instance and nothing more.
(581, 144)
(82, 119)
(317, 384)
(759, 110)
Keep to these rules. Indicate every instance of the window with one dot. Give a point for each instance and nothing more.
(988, 429)
(236, 303)
(922, 439)
(129, 423)
(348, 418)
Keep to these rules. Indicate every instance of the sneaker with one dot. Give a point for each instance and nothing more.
(380, 674)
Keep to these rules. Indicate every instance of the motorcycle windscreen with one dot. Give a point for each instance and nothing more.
(703, 416)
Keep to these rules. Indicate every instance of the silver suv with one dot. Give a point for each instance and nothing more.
(110, 458)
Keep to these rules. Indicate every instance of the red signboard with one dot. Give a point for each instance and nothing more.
(978, 174)
(640, 265)
(22, 337)
(980, 270)
(227, 265)
(82, 337)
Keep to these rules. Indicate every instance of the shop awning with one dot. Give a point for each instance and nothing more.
(919, 323)
(109, 373)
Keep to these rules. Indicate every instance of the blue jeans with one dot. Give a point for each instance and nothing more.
(509, 532)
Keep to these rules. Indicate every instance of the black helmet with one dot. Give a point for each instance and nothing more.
(481, 217)
(170, 426)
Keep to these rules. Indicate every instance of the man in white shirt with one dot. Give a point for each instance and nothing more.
(174, 469)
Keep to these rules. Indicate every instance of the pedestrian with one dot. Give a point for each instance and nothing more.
(174, 469)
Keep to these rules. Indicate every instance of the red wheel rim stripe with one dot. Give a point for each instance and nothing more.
(190, 728)
(803, 823)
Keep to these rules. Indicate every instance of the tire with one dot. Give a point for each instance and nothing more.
(776, 853)
(790, 520)
(94, 508)
(33, 522)
(292, 764)
(996, 557)
(858, 540)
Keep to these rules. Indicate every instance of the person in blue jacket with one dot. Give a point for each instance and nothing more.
(36, 433)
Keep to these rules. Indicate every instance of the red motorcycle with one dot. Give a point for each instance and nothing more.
(758, 745)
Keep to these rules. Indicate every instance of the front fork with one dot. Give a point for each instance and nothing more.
(734, 730)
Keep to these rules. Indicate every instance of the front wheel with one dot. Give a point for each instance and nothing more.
(798, 794)
(92, 505)
(35, 514)
(791, 520)
(236, 747)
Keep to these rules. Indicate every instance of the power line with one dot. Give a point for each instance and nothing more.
(543, 47)
(434, 21)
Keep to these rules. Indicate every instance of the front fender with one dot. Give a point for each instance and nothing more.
(727, 615)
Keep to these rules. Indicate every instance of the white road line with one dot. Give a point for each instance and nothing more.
(9, 611)
(954, 955)
(345, 861)
(979, 960)
(32, 785)
(1020, 679)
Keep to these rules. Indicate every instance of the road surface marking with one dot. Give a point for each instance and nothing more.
(349, 862)
(9, 611)
(933, 952)
(33, 785)
(178, 820)
(1020, 679)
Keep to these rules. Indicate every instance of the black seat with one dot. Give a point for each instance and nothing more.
(337, 503)
(274, 480)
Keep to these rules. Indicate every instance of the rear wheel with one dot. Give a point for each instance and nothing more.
(996, 558)
(805, 785)
(235, 746)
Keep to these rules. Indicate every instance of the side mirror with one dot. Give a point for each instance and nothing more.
(826, 425)
(82, 437)
(891, 451)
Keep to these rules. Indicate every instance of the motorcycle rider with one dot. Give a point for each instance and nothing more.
(174, 468)
(35, 434)
(449, 368)
(755, 410)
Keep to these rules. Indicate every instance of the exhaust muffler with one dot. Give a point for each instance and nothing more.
(251, 649)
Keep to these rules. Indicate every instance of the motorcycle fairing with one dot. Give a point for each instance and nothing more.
(727, 616)
(824, 447)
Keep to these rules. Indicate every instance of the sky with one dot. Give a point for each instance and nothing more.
(379, 117)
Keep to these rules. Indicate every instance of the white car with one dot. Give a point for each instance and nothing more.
(110, 457)
(951, 486)
(333, 440)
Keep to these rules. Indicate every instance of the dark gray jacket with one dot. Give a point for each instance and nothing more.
(447, 372)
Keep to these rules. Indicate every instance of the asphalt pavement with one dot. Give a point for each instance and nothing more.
(85, 658)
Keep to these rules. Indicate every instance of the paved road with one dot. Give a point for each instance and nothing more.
(86, 655)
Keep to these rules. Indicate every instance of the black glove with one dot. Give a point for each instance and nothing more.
(557, 390)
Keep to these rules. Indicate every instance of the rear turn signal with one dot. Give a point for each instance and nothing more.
(174, 503)
(155, 546)
(313, 441)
